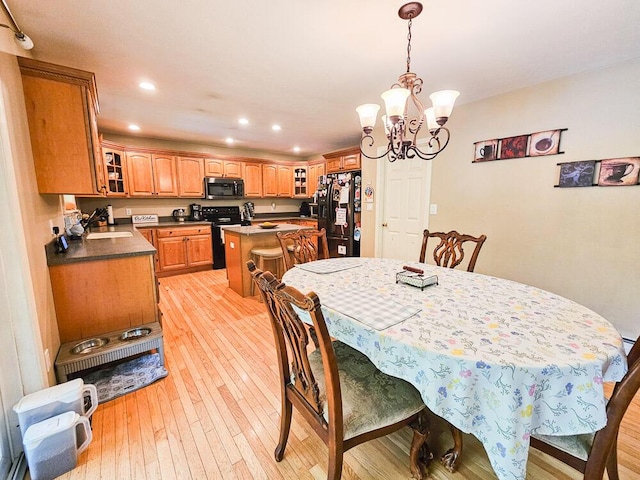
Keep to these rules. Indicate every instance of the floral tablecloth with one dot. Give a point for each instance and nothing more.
(496, 358)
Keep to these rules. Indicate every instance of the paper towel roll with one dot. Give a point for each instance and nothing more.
(110, 220)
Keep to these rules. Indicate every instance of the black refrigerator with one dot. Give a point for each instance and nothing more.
(339, 211)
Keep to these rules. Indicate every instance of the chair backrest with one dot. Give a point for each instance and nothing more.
(308, 245)
(292, 344)
(450, 251)
(621, 397)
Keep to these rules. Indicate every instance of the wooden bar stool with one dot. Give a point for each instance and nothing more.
(266, 254)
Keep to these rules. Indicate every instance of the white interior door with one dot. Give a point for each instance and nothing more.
(406, 188)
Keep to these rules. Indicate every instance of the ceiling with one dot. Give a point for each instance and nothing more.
(307, 64)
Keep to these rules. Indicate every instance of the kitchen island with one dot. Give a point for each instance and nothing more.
(238, 243)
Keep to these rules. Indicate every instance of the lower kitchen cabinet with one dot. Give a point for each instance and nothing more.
(183, 249)
(100, 296)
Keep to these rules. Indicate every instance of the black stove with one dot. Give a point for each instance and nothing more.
(219, 217)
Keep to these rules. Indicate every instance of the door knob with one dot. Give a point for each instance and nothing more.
(385, 224)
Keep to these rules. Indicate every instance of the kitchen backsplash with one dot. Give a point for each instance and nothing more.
(164, 207)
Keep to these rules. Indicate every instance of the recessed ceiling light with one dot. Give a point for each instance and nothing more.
(135, 128)
(296, 149)
(147, 86)
(276, 128)
(243, 121)
(229, 140)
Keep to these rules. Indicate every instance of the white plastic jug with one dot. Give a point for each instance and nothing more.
(52, 401)
(50, 445)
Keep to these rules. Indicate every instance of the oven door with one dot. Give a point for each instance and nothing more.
(217, 236)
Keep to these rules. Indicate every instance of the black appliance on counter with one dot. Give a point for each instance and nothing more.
(339, 211)
(219, 217)
(196, 212)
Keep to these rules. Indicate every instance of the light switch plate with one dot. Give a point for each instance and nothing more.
(433, 209)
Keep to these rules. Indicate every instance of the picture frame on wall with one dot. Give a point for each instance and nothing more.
(577, 174)
(514, 147)
(486, 150)
(544, 143)
(615, 172)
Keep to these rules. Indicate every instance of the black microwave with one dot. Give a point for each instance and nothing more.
(227, 188)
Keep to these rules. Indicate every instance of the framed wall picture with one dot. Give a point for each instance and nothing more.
(619, 171)
(514, 147)
(486, 150)
(544, 143)
(577, 174)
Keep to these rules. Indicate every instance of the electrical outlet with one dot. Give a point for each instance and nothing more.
(127, 212)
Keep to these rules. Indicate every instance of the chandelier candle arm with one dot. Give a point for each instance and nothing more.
(401, 130)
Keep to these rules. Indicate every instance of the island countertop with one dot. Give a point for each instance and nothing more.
(257, 230)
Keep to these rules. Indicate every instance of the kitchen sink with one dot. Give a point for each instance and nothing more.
(98, 235)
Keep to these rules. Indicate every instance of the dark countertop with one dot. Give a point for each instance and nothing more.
(84, 250)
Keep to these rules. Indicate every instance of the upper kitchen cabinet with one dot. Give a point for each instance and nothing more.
(315, 172)
(300, 179)
(277, 180)
(151, 175)
(61, 105)
(344, 160)
(252, 180)
(215, 167)
(115, 172)
(190, 177)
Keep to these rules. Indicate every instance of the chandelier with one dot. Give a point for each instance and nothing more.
(402, 131)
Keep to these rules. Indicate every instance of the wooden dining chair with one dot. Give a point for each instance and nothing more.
(338, 390)
(450, 251)
(301, 246)
(592, 454)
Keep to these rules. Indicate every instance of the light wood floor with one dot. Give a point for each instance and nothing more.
(217, 413)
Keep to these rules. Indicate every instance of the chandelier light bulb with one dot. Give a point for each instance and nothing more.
(395, 102)
(368, 114)
(443, 103)
(432, 124)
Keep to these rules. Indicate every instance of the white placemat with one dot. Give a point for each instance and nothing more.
(330, 265)
(372, 309)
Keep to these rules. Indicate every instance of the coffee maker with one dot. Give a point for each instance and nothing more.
(196, 212)
(248, 210)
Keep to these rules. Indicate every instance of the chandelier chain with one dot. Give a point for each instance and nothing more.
(409, 47)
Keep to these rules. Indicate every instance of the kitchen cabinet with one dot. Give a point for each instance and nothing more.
(300, 185)
(215, 167)
(190, 177)
(252, 180)
(343, 160)
(151, 175)
(62, 105)
(115, 172)
(315, 172)
(277, 180)
(184, 249)
(103, 295)
(150, 235)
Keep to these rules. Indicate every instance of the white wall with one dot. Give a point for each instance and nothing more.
(581, 243)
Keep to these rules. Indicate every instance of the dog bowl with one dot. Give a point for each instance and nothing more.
(135, 333)
(89, 346)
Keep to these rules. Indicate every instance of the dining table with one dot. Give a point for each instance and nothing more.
(495, 358)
